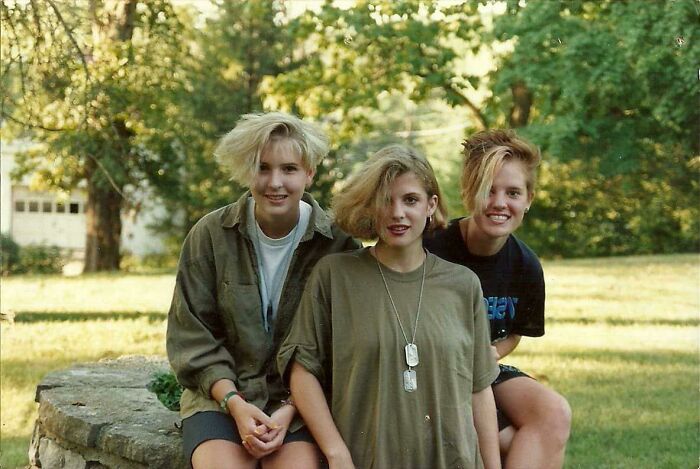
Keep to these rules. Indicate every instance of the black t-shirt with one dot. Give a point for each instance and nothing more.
(512, 281)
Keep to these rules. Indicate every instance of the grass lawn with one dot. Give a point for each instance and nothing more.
(621, 345)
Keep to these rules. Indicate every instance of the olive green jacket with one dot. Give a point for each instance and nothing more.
(215, 324)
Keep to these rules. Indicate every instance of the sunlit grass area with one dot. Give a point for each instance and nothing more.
(625, 290)
(104, 293)
(633, 390)
(621, 344)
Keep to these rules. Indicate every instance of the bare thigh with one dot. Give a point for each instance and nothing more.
(526, 401)
(222, 454)
(294, 455)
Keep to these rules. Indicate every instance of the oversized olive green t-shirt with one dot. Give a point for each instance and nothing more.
(347, 334)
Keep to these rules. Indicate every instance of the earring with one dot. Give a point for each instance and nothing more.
(527, 209)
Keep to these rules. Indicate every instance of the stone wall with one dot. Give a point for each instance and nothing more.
(102, 415)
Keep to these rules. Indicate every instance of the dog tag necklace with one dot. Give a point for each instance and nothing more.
(410, 383)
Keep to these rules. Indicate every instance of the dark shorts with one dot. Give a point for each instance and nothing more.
(212, 425)
(507, 372)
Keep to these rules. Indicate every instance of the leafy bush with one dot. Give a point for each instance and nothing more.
(168, 390)
(36, 259)
(579, 212)
(33, 259)
(147, 263)
(9, 254)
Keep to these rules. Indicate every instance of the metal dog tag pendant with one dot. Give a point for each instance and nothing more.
(411, 354)
(410, 382)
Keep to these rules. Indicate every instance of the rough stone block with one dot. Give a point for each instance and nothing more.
(33, 453)
(53, 456)
(141, 429)
(124, 372)
(104, 413)
(72, 413)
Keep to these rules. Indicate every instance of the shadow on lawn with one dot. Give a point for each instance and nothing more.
(30, 317)
(617, 321)
(628, 358)
(596, 369)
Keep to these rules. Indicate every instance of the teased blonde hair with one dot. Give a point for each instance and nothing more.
(239, 150)
(357, 204)
(484, 154)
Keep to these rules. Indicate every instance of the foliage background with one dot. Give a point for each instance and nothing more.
(122, 93)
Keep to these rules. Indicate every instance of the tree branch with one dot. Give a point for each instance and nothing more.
(111, 180)
(72, 39)
(30, 125)
(481, 119)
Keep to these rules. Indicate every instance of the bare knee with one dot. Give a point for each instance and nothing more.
(558, 419)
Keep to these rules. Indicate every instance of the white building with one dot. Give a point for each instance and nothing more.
(48, 218)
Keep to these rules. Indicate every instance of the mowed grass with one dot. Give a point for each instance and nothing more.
(621, 344)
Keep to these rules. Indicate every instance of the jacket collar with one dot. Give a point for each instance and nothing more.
(235, 215)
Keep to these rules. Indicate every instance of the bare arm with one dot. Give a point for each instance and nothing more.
(311, 404)
(505, 346)
(485, 422)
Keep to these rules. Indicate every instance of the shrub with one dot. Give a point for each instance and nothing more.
(168, 390)
(36, 259)
(151, 262)
(9, 254)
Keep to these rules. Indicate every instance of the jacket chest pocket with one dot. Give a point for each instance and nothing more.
(242, 317)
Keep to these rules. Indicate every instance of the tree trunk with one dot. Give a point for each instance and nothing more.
(112, 20)
(522, 102)
(104, 226)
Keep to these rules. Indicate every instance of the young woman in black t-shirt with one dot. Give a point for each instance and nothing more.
(498, 182)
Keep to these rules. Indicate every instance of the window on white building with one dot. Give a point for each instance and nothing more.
(60, 207)
(74, 207)
(19, 206)
(33, 206)
(46, 207)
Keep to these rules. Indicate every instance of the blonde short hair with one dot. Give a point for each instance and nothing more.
(239, 151)
(484, 154)
(356, 205)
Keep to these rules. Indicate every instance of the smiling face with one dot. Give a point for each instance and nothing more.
(278, 187)
(505, 207)
(400, 224)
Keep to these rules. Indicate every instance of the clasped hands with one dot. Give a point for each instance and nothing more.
(261, 434)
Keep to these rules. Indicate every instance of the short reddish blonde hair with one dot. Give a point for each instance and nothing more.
(484, 154)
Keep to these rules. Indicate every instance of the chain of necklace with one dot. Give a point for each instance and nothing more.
(410, 383)
(393, 305)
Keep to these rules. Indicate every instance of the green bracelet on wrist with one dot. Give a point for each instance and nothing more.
(229, 395)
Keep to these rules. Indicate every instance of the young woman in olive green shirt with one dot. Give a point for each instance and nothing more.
(388, 358)
(239, 280)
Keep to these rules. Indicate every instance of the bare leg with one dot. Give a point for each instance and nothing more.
(294, 455)
(542, 419)
(222, 454)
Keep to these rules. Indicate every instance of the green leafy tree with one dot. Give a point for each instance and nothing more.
(608, 89)
(349, 62)
(98, 85)
(238, 47)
